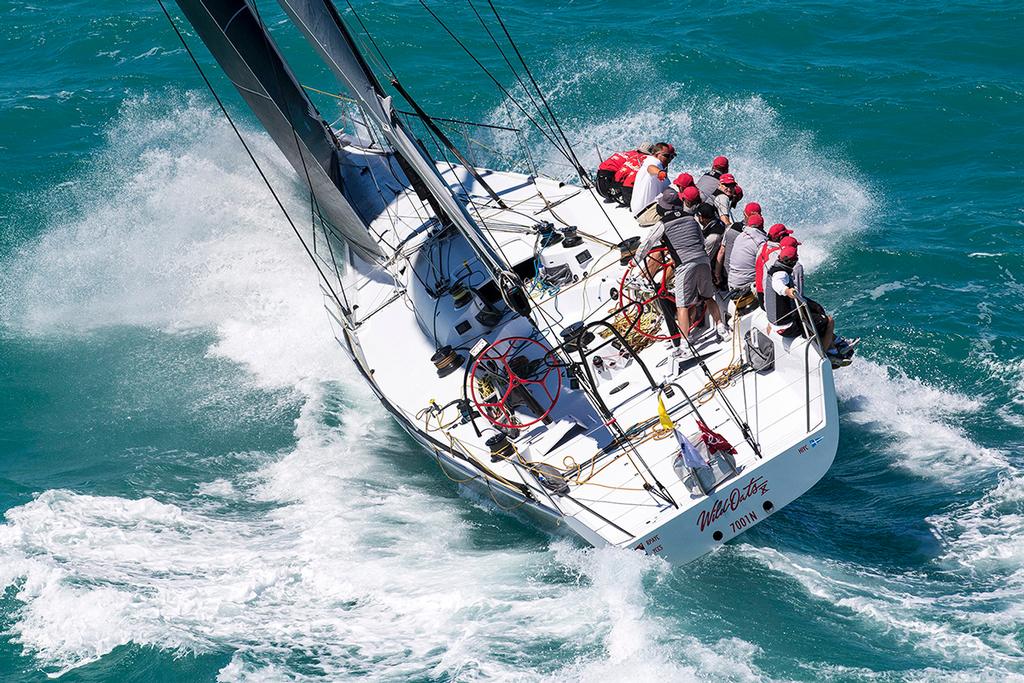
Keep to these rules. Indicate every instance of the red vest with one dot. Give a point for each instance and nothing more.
(762, 258)
(615, 161)
(630, 167)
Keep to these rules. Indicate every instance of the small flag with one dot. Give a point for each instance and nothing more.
(713, 440)
(666, 421)
(690, 455)
(691, 458)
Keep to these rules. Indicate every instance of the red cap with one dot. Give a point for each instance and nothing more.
(690, 194)
(752, 207)
(788, 252)
(788, 241)
(755, 221)
(669, 149)
(778, 231)
(721, 163)
(683, 180)
(727, 179)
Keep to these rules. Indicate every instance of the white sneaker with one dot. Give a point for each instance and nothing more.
(724, 333)
(679, 356)
(681, 351)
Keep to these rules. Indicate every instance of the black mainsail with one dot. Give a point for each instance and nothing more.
(239, 42)
(323, 27)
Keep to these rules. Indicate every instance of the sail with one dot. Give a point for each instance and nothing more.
(320, 23)
(324, 28)
(247, 54)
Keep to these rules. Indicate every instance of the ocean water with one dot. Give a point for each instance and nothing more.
(195, 486)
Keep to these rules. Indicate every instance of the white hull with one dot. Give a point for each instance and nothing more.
(791, 411)
(490, 312)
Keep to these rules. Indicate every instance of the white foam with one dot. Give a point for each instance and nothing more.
(356, 565)
(171, 228)
(817, 196)
(919, 419)
(218, 488)
(883, 289)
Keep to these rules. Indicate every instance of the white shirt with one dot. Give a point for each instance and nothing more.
(647, 186)
(780, 282)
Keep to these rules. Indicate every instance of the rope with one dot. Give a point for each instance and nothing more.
(496, 82)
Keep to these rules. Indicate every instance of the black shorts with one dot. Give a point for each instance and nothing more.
(818, 318)
(625, 195)
(606, 185)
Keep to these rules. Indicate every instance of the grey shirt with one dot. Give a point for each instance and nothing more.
(744, 255)
(728, 240)
(723, 206)
(707, 184)
(686, 238)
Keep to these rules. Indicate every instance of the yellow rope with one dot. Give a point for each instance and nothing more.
(335, 95)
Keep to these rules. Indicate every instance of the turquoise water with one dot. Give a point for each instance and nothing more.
(196, 486)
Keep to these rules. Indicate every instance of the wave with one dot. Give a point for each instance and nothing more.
(355, 566)
(919, 421)
(335, 553)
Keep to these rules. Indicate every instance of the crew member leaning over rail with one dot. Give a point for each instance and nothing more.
(607, 185)
(652, 177)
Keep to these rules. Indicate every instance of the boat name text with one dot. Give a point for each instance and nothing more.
(732, 502)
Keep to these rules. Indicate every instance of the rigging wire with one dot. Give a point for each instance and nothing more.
(584, 176)
(252, 158)
(369, 35)
(554, 142)
(508, 62)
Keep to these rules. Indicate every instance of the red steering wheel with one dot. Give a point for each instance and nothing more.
(497, 362)
(636, 302)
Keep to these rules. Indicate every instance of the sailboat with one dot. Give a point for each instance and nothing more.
(506, 321)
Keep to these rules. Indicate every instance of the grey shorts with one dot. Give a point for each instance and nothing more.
(693, 283)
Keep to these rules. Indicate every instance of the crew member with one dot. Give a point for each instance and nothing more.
(713, 230)
(750, 209)
(607, 186)
(708, 183)
(652, 177)
(752, 218)
(684, 202)
(724, 197)
(685, 240)
(786, 279)
(768, 254)
(744, 252)
(671, 199)
(737, 195)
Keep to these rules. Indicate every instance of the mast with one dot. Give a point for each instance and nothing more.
(320, 22)
(238, 41)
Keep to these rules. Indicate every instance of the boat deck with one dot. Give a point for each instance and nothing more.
(610, 478)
